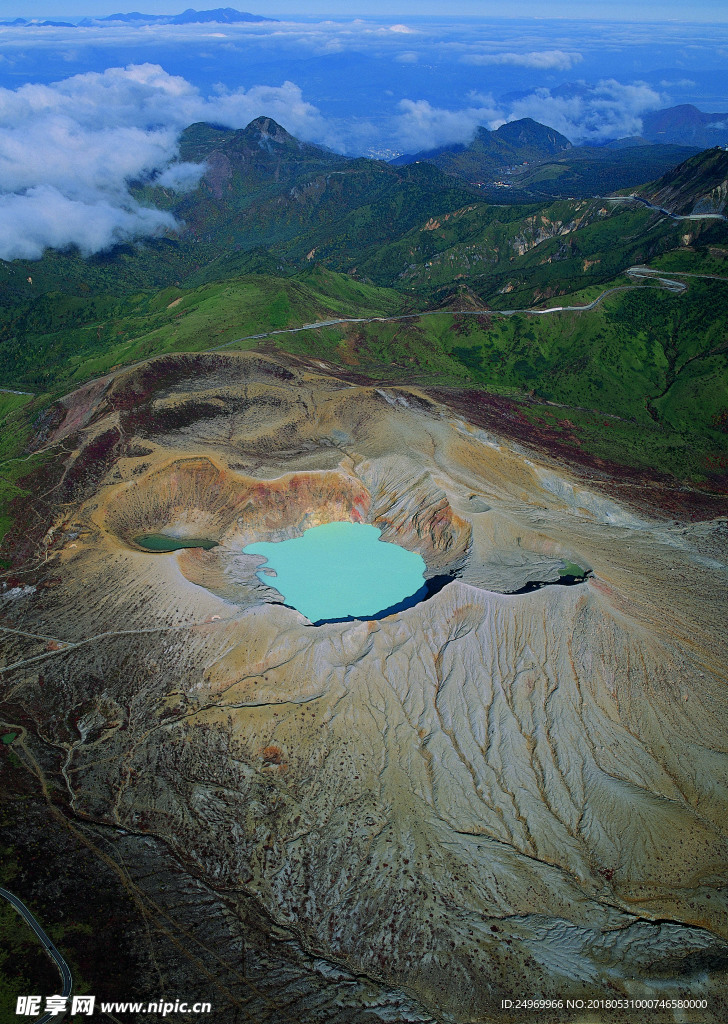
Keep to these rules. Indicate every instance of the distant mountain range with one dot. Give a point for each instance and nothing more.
(686, 125)
(220, 15)
(43, 24)
(530, 159)
(523, 160)
(490, 153)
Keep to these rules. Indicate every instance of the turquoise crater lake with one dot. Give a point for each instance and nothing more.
(340, 571)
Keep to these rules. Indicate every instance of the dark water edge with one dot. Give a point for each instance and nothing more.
(436, 583)
(161, 543)
(565, 580)
(429, 588)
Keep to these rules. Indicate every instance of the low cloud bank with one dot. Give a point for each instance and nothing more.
(42, 218)
(421, 126)
(544, 60)
(607, 110)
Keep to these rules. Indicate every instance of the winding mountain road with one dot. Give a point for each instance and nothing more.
(632, 272)
(641, 272)
(661, 209)
(63, 968)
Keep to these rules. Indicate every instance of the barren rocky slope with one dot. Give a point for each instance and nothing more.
(697, 186)
(489, 795)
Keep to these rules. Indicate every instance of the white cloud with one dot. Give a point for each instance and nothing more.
(422, 126)
(181, 177)
(608, 110)
(544, 60)
(145, 96)
(43, 217)
(681, 83)
(54, 149)
(315, 37)
(239, 107)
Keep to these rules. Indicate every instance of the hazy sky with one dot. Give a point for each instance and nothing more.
(643, 10)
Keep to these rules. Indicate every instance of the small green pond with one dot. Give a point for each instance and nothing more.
(162, 542)
(572, 569)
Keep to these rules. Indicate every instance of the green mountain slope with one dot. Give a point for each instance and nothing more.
(62, 340)
(263, 188)
(593, 170)
(515, 256)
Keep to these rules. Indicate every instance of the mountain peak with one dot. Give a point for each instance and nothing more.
(220, 15)
(268, 132)
(526, 131)
(686, 125)
(515, 142)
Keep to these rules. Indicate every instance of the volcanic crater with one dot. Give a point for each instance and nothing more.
(191, 498)
(487, 794)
